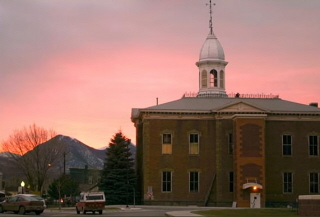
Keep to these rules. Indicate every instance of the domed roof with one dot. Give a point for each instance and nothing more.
(211, 49)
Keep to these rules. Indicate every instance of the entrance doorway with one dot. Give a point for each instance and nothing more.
(255, 200)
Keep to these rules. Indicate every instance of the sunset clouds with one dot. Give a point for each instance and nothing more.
(79, 66)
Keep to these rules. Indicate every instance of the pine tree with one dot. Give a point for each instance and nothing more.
(118, 178)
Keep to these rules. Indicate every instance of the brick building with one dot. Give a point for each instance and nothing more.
(216, 149)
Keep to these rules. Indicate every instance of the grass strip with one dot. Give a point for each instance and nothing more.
(248, 212)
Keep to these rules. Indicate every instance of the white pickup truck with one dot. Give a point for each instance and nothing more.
(91, 202)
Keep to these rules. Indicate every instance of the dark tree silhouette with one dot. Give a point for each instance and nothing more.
(118, 178)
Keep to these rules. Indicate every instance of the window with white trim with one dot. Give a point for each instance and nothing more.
(193, 143)
(167, 143)
(313, 145)
(194, 181)
(286, 145)
(314, 183)
(287, 182)
(166, 181)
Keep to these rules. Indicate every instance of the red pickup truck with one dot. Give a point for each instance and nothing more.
(91, 202)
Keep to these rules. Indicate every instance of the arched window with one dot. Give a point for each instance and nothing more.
(204, 79)
(221, 79)
(213, 78)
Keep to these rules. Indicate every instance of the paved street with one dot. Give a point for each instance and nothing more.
(155, 211)
(142, 211)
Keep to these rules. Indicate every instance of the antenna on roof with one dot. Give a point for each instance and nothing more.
(210, 21)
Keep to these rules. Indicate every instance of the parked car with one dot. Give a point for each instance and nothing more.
(36, 197)
(22, 204)
(2, 196)
(91, 202)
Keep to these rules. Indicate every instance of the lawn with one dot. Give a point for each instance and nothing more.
(249, 212)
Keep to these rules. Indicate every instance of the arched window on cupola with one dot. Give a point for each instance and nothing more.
(204, 79)
(213, 78)
(221, 79)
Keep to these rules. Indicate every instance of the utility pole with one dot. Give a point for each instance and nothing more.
(64, 163)
(127, 174)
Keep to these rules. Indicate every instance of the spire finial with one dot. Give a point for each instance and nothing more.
(210, 21)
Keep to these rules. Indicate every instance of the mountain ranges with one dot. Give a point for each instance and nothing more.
(75, 155)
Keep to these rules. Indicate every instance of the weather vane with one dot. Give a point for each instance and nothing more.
(210, 21)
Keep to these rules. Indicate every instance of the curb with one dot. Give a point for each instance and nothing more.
(181, 213)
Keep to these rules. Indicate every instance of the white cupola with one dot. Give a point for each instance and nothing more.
(211, 66)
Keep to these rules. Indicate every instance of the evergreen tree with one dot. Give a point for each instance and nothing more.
(118, 178)
(62, 186)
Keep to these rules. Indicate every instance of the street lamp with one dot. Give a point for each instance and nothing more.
(22, 187)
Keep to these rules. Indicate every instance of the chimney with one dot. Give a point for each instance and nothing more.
(314, 104)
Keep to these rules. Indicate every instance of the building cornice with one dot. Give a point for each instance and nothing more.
(165, 114)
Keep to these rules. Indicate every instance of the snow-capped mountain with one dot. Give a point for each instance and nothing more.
(75, 154)
(78, 154)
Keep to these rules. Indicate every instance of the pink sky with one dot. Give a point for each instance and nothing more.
(79, 66)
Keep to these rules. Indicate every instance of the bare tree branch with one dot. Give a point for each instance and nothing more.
(35, 161)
